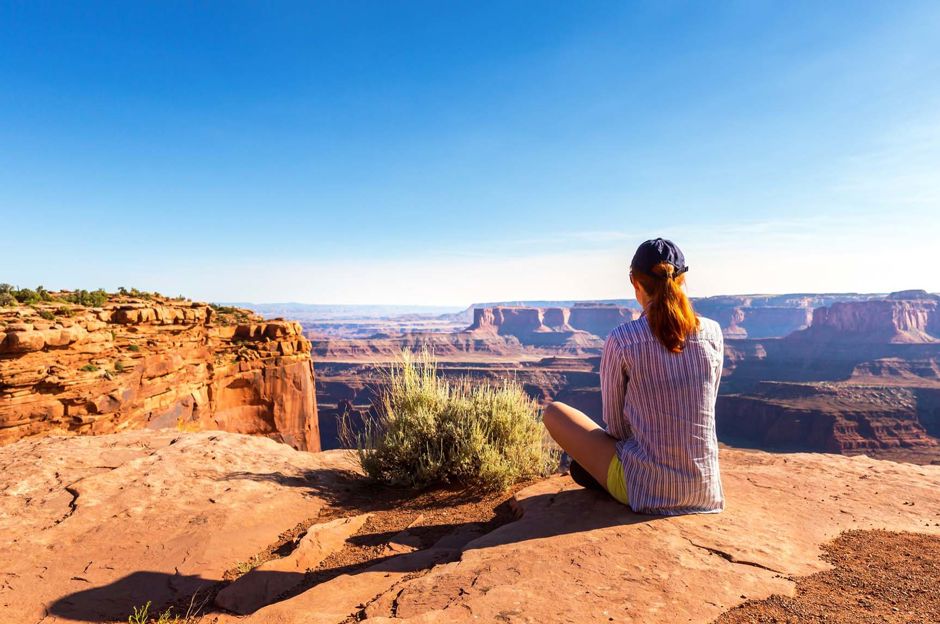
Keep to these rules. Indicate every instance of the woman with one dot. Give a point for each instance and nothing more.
(659, 380)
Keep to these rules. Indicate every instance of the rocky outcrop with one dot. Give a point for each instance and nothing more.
(769, 316)
(538, 327)
(153, 363)
(895, 319)
(91, 527)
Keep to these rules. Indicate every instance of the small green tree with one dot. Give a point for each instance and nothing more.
(97, 298)
(26, 296)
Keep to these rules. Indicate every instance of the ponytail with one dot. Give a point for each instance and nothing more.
(669, 312)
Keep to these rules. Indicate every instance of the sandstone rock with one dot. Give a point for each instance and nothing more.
(140, 363)
(884, 321)
(91, 526)
(577, 556)
(23, 341)
(263, 584)
(529, 327)
(600, 320)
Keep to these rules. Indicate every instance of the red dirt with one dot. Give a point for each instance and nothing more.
(878, 577)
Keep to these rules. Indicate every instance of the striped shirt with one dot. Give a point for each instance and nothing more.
(661, 407)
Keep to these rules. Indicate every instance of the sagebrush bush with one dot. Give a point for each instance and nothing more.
(433, 431)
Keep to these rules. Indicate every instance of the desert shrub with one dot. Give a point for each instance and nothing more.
(97, 298)
(7, 299)
(94, 299)
(47, 314)
(133, 347)
(118, 367)
(433, 431)
(89, 368)
(27, 295)
(223, 309)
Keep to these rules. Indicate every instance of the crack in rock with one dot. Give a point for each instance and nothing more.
(729, 557)
(73, 504)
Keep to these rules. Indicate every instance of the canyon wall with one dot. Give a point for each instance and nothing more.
(833, 418)
(537, 327)
(155, 363)
(865, 376)
(906, 318)
(766, 316)
(740, 316)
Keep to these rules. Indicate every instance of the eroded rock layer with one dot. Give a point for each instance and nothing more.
(132, 364)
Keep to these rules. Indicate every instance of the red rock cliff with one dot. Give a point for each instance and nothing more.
(134, 364)
(600, 320)
(891, 320)
(539, 327)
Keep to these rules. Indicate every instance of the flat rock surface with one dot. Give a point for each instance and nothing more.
(575, 556)
(91, 526)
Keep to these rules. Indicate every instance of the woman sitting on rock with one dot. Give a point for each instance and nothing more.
(659, 379)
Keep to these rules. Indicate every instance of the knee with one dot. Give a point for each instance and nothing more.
(552, 415)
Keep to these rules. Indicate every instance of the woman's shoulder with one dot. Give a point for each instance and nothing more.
(708, 326)
(637, 330)
(710, 331)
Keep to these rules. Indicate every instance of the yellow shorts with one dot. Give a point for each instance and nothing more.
(616, 482)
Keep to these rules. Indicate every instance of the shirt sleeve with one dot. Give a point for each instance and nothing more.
(721, 360)
(613, 387)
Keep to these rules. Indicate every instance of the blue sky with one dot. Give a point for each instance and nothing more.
(445, 152)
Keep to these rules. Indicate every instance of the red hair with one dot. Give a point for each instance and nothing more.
(669, 311)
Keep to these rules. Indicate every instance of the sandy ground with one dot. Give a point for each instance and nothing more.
(877, 576)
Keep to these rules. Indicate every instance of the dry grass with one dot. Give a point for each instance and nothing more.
(432, 431)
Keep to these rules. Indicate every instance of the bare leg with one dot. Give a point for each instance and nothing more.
(581, 438)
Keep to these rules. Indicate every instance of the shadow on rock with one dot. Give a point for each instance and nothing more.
(116, 601)
(538, 516)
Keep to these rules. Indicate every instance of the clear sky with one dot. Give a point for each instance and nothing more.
(450, 152)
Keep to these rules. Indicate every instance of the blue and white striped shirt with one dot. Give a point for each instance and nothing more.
(660, 405)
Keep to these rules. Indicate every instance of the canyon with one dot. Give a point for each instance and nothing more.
(136, 363)
(847, 373)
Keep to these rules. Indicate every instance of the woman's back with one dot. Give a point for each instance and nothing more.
(661, 406)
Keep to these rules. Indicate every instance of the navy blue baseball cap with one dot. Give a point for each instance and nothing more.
(657, 250)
